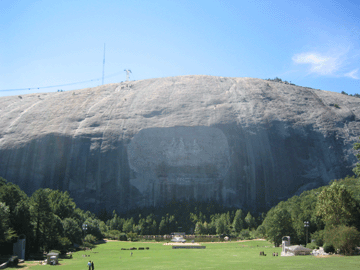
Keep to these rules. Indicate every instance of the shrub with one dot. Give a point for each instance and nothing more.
(116, 235)
(260, 232)
(112, 234)
(328, 248)
(244, 234)
(63, 245)
(343, 238)
(312, 245)
(89, 238)
(123, 237)
(88, 245)
(318, 236)
(132, 236)
(254, 234)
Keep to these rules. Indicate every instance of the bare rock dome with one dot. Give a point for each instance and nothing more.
(243, 142)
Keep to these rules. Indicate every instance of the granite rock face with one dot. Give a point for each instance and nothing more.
(241, 141)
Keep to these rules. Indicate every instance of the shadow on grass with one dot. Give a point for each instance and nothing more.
(65, 257)
(99, 242)
(19, 266)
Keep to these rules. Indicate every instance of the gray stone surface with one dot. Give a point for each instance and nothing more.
(240, 141)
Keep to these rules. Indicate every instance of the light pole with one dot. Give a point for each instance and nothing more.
(306, 225)
(84, 227)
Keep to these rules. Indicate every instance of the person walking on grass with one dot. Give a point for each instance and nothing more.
(89, 265)
(92, 265)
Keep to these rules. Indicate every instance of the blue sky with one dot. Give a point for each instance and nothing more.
(46, 43)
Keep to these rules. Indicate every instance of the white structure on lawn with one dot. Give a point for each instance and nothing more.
(288, 250)
(178, 237)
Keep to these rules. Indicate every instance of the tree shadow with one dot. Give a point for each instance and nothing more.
(19, 266)
(65, 257)
(99, 242)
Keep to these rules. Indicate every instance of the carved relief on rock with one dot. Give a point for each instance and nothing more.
(178, 156)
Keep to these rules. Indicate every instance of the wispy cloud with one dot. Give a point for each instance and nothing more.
(320, 64)
(352, 74)
(332, 63)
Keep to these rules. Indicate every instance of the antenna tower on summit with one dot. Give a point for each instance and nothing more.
(128, 71)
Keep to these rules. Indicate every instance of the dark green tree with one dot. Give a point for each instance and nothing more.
(260, 232)
(244, 234)
(206, 228)
(154, 228)
(238, 222)
(343, 238)
(94, 226)
(128, 225)
(303, 208)
(277, 224)
(357, 168)
(171, 223)
(61, 204)
(336, 206)
(2, 181)
(199, 228)
(250, 221)
(151, 224)
(72, 230)
(18, 203)
(116, 223)
(194, 218)
(222, 226)
(212, 225)
(162, 226)
(42, 218)
(6, 232)
(53, 234)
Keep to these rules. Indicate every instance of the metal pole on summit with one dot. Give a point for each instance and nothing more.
(128, 71)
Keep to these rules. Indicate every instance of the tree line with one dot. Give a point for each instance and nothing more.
(50, 219)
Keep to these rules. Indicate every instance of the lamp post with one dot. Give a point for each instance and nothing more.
(84, 227)
(306, 225)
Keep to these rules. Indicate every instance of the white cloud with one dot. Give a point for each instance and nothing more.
(352, 74)
(321, 64)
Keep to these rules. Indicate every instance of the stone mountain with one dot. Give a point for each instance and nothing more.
(243, 142)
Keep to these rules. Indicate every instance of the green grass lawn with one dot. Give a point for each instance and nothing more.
(233, 255)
